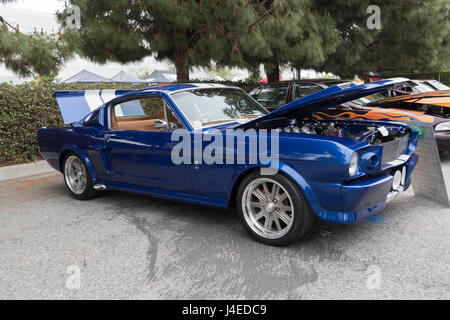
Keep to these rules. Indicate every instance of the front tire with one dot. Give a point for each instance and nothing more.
(273, 209)
(78, 178)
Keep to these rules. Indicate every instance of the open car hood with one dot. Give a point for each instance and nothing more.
(330, 97)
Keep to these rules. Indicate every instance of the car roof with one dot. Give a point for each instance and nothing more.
(171, 88)
(318, 80)
(174, 88)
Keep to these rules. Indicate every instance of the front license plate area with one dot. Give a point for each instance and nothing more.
(398, 183)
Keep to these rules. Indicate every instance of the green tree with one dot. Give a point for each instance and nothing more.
(220, 71)
(286, 32)
(36, 53)
(414, 36)
(187, 32)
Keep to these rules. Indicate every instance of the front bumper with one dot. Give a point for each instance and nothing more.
(366, 197)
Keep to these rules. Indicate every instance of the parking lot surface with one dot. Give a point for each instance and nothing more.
(126, 246)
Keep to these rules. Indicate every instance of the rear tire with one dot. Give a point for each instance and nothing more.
(273, 209)
(78, 178)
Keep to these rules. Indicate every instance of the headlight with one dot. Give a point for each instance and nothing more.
(353, 169)
(444, 126)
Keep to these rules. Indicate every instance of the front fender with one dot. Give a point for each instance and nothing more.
(305, 186)
(289, 172)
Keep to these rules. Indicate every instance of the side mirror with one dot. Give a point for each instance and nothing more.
(160, 124)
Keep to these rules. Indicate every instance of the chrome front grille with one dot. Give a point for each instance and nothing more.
(392, 150)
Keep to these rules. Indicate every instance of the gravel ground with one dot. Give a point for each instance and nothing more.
(126, 246)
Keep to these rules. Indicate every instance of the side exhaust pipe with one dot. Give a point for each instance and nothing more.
(100, 187)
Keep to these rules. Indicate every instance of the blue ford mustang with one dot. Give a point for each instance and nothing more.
(338, 171)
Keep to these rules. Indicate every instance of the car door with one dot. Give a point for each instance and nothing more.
(139, 145)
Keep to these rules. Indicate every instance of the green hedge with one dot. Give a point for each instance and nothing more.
(26, 107)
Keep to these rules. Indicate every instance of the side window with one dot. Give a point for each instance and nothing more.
(305, 89)
(143, 114)
(273, 96)
(153, 107)
(150, 107)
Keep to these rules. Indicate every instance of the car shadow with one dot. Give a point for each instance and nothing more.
(445, 156)
(207, 216)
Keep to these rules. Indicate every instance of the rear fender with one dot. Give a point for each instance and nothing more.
(78, 151)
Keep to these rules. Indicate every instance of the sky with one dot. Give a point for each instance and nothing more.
(40, 14)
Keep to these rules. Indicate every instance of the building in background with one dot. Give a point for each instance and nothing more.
(123, 77)
(85, 76)
(160, 77)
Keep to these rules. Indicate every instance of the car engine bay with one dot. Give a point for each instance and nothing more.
(372, 133)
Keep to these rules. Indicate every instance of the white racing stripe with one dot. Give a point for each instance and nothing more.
(108, 95)
(93, 99)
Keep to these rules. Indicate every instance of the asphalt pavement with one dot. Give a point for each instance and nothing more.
(126, 246)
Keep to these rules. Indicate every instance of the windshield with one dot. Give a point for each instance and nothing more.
(203, 107)
(438, 85)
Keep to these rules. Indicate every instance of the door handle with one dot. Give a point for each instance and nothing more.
(108, 136)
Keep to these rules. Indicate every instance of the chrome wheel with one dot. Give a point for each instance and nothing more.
(75, 175)
(268, 209)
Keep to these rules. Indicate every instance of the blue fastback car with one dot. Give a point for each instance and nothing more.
(338, 171)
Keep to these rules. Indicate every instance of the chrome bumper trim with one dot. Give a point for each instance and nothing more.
(399, 161)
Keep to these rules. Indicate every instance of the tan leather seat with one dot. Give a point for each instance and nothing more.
(141, 125)
(159, 115)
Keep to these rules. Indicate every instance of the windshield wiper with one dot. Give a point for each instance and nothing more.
(251, 116)
(244, 117)
(216, 121)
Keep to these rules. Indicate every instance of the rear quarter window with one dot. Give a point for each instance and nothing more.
(93, 119)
